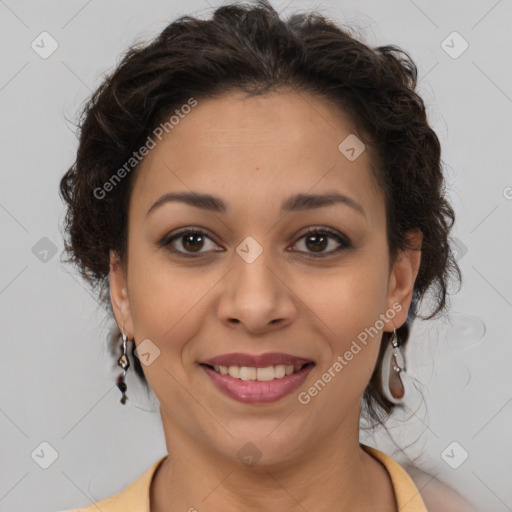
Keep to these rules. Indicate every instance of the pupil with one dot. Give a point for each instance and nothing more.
(320, 241)
(189, 239)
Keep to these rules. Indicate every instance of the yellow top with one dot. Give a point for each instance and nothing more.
(135, 497)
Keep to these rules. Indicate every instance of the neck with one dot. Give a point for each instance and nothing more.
(334, 475)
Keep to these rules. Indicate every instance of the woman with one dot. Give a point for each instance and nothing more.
(260, 203)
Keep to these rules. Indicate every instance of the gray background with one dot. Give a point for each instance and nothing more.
(57, 380)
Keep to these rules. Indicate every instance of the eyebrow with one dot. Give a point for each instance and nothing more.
(298, 202)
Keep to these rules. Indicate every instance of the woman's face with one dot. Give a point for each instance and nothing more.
(254, 281)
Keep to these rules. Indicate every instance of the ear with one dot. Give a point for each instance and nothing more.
(402, 278)
(119, 295)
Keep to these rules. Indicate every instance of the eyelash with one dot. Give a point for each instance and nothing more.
(346, 244)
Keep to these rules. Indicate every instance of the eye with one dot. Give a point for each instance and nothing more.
(193, 240)
(317, 239)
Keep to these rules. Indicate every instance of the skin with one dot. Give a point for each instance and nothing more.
(254, 153)
(436, 494)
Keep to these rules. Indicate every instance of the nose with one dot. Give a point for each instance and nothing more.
(256, 296)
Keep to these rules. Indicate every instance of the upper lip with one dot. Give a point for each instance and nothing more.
(256, 361)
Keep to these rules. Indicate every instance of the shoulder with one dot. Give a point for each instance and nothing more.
(135, 496)
(438, 496)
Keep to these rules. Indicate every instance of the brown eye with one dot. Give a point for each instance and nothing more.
(316, 240)
(188, 242)
(316, 243)
(193, 241)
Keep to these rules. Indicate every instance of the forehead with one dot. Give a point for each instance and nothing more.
(258, 147)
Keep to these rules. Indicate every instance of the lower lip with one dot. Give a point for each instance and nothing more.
(258, 392)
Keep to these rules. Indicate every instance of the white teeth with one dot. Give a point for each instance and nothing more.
(247, 373)
(279, 371)
(234, 371)
(267, 373)
(260, 374)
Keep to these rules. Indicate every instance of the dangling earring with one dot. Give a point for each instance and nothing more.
(124, 363)
(393, 371)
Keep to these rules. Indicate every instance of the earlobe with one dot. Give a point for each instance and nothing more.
(403, 277)
(119, 294)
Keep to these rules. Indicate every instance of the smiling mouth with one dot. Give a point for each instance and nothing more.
(267, 373)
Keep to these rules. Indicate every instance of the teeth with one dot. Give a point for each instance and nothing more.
(234, 371)
(260, 374)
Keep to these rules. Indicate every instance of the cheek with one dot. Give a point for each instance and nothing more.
(350, 299)
(349, 308)
(166, 299)
(354, 344)
(153, 290)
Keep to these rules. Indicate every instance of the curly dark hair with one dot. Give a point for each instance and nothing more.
(248, 47)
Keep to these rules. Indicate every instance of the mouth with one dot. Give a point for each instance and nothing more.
(257, 385)
(261, 374)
